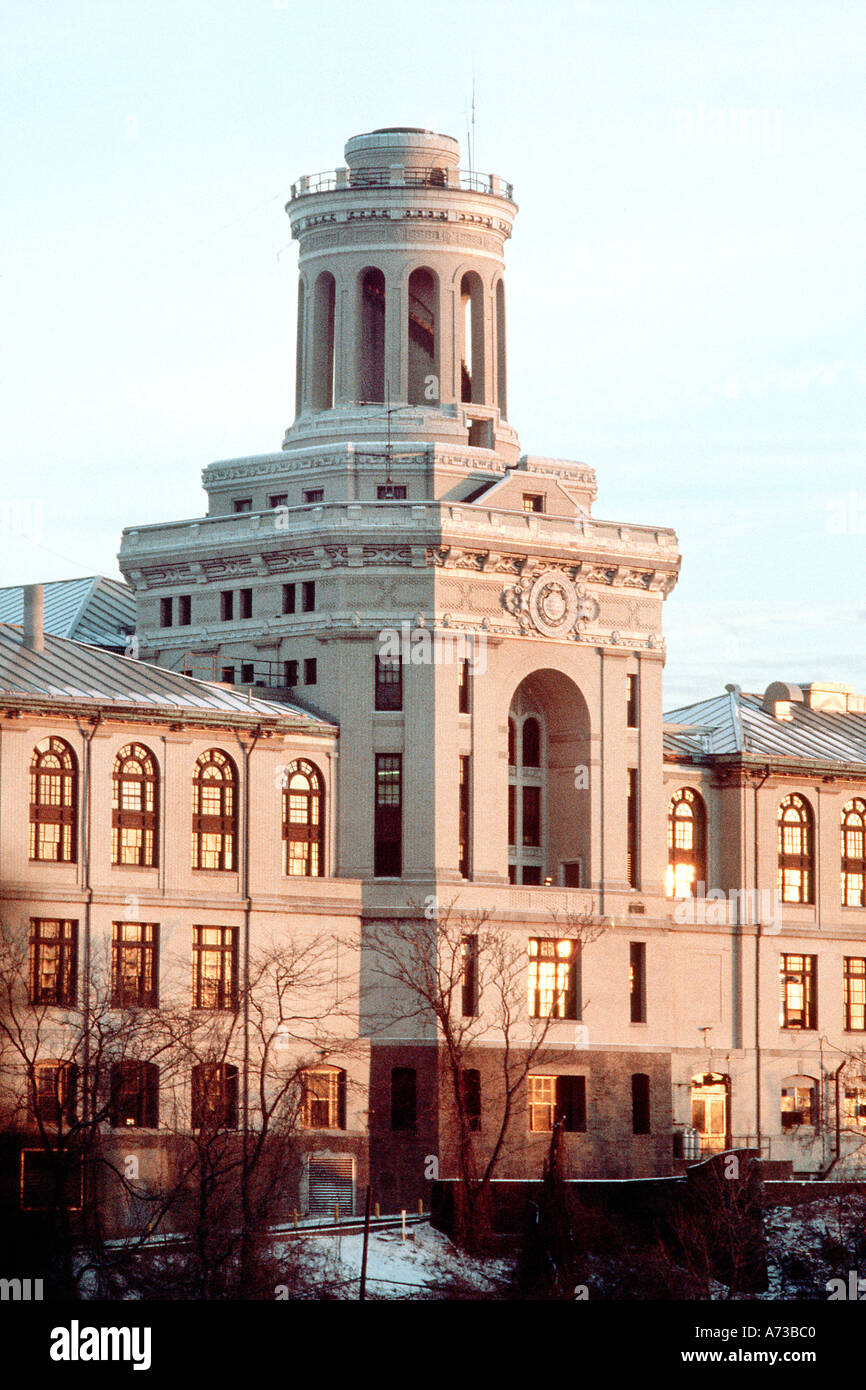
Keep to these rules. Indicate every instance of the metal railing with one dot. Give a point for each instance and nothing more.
(465, 180)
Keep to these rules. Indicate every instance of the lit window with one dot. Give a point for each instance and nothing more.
(134, 965)
(303, 820)
(854, 977)
(533, 501)
(214, 822)
(53, 801)
(796, 850)
(557, 1098)
(552, 978)
(323, 1098)
(854, 1107)
(687, 864)
(134, 807)
(215, 968)
(854, 853)
(799, 1105)
(797, 975)
(637, 981)
(53, 961)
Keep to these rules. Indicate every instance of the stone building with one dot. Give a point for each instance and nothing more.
(470, 662)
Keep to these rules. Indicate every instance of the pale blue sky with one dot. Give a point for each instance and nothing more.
(686, 278)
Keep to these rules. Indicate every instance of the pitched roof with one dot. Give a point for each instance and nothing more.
(67, 671)
(95, 609)
(738, 723)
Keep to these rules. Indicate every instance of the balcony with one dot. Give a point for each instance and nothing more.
(400, 176)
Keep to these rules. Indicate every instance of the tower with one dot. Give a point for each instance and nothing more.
(401, 296)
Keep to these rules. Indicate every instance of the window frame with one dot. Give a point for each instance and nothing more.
(224, 983)
(796, 861)
(791, 977)
(145, 817)
(684, 855)
(565, 1002)
(206, 1078)
(334, 1099)
(853, 865)
(313, 825)
(53, 806)
(65, 943)
(144, 952)
(224, 823)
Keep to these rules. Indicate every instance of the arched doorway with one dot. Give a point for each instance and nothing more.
(548, 794)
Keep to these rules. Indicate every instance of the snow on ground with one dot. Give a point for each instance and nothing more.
(426, 1265)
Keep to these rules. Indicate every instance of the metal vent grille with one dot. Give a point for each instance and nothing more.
(332, 1181)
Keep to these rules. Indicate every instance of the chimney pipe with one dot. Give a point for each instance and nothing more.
(34, 602)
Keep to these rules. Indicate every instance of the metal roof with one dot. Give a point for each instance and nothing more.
(95, 609)
(68, 671)
(738, 723)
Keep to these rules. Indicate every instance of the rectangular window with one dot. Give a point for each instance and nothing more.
(51, 1179)
(53, 961)
(560, 1098)
(323, 1098)
(469, 976)
(640, 1103)
(391, 492)
(855, 993)
(532, 817)
(533, 501)
(134, 965)
(56, 1090)
(288, 598)
(308, 596)
(215, 968)
(572, 874)
(388, 683)
(278, 499)
(184, 610)
(310, 670)
(227, 605)
(404, 1106)
(291, 673)
(631, 710)
(314, 494)
(388, 818)
(532, 874)
(632, 866)
(243, 504)
(512, 815)
(470, 1087)
(637, 981)
(214, 1096)
(798, 1106)
(797, 979)
(464, 829)
(464, 687)
(247, 673)
(134, 1095)
(165, 618)
(246, 598)
(854, 1107)
(227, 675)
(553, 969)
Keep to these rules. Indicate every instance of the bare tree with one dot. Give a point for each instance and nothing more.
(427, 962)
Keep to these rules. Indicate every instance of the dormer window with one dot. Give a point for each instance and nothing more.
(533, 501)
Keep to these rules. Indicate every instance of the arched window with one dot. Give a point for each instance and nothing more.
(687, 844)
(796, 850)
(134, 807)
(799, 1101)
(324, 300)
(501, 397)
(472, 349)
(323, 1098)
(527, 783)
(215, 817)
(854, 854)
(422, 331)
(53, 801)
(303, 820)
(370, 344)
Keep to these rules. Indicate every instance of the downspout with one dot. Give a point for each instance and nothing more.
(758, 1135)
(602, 867)
(838, 1145)
(247, 749)
(88, 899)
